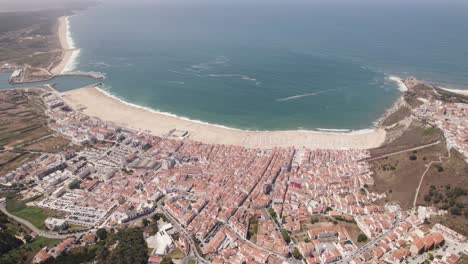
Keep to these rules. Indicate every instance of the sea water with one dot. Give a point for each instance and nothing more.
(272, 65)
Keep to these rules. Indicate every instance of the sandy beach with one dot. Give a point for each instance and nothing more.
(67, 50)
(457, 91)
(96, 103)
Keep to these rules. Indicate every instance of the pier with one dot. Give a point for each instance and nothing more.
(95, 75)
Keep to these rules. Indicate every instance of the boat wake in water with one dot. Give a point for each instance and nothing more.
(304, 95)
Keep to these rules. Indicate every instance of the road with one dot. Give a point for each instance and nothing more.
(255, 245)
(370, 243)
(403, 151)
(192, 247)
(47, 234)
(192, 250)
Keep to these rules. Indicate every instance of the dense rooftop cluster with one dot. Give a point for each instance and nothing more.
(451, 118)
(218, 194)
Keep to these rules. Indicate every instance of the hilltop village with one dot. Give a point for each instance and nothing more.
(229, 204)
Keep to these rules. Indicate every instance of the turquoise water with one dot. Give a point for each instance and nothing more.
(272, 65)
(61, 83)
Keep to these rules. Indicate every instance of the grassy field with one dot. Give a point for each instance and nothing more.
(176, 254)
(253, 229)
(32, 214)
(398, 115)
(312, 222)
(49, 144)
(17, 162)
(445, 187)
(7, 194)
(26, 252)
(398, 176)
(23, 128)
(417, 134)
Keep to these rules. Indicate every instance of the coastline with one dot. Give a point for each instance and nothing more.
(98, 103)
(457, 91)
(114, 109)
(69, 52)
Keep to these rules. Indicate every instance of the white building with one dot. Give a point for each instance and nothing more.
(55, 224)
(161, 243)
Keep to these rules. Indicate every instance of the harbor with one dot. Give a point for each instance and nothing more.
(61, 82)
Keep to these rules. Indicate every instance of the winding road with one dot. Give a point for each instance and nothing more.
(47, 234)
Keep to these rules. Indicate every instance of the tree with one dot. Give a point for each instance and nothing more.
(286, 236)
(296, 254)
(154, 228)
(427, 198)
(8, 242)
(102, 254)
(272, 213)
(362, 238)
(101, 233)
(28, 238)
(455, 210)
(74, 185)
(166, 260)
(145, 222)
(131, 248)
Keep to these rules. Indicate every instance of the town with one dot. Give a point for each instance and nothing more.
(230, 204)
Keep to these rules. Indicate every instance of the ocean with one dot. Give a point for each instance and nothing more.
(271, 65)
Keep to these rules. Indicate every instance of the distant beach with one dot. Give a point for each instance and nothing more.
(177, 79)
(98, 103)
(457, 91)
(69, 51)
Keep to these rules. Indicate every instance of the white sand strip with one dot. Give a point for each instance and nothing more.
(108, 108)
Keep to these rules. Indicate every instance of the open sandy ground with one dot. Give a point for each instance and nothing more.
(67, 52)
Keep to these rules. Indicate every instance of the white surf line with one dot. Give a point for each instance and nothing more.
(75, 53)
(303, 95)
(401, 85)
(457, 91)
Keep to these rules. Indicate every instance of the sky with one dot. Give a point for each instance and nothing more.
(26, 5)
(21, 5)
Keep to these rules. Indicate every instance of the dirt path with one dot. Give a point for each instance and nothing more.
(403, 151)
(424, 174)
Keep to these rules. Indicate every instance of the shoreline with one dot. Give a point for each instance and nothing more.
(101, 104)
(66, 42)
(457, 91)
(168, 114)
